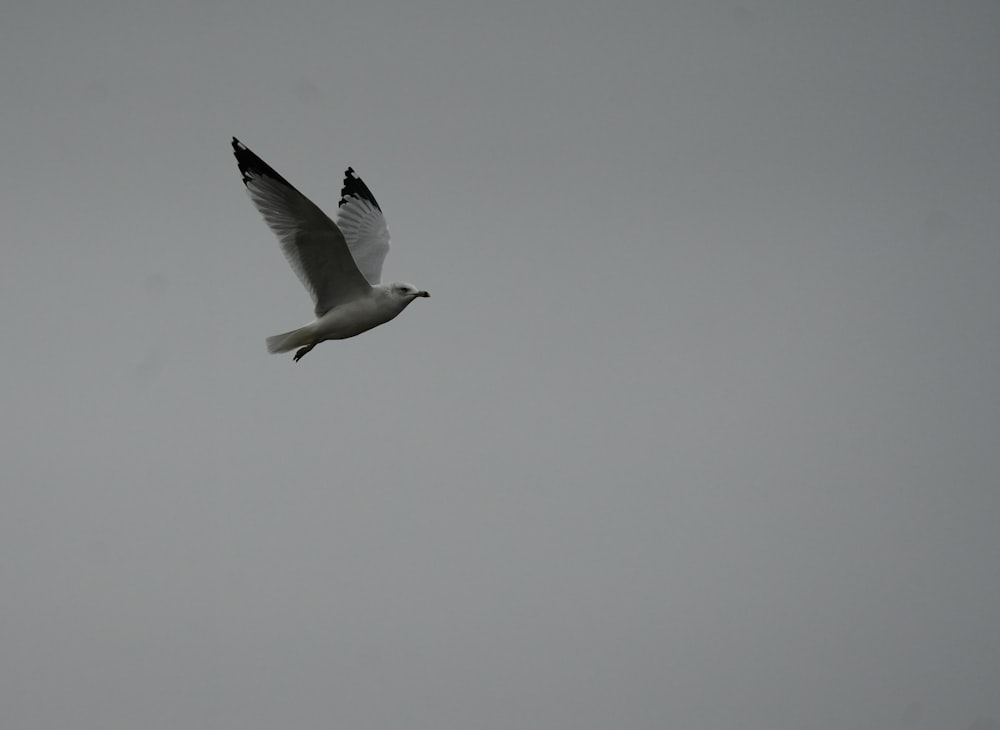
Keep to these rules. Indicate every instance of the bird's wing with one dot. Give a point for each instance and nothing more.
(311, 242)
(360, 219)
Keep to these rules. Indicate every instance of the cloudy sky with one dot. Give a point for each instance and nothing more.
(699, 429)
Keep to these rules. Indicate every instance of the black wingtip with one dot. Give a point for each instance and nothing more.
(252, 166)
(354, 187)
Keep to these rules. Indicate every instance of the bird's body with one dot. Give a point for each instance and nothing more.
(339, 263)
(347, 320)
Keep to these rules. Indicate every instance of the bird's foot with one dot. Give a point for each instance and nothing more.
(302, 352)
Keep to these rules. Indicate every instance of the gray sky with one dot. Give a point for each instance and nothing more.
(699, 429)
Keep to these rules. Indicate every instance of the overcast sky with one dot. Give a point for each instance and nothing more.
(700, 428)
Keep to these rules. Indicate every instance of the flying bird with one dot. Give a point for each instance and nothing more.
(340, 264)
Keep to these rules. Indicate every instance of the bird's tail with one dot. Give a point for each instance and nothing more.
(288, 341)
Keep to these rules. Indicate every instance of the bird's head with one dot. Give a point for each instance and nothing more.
(406, 292)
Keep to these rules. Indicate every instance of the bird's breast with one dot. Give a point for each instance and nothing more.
(353, 318)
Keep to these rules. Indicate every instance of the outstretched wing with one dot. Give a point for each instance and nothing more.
(360, 219)
(311, 242)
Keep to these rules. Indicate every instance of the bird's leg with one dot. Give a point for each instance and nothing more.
(302, 351)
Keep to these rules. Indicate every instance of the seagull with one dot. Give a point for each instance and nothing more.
(340, 264)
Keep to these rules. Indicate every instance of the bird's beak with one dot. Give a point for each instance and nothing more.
(423, 294)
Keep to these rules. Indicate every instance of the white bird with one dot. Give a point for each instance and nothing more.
(339, 263)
